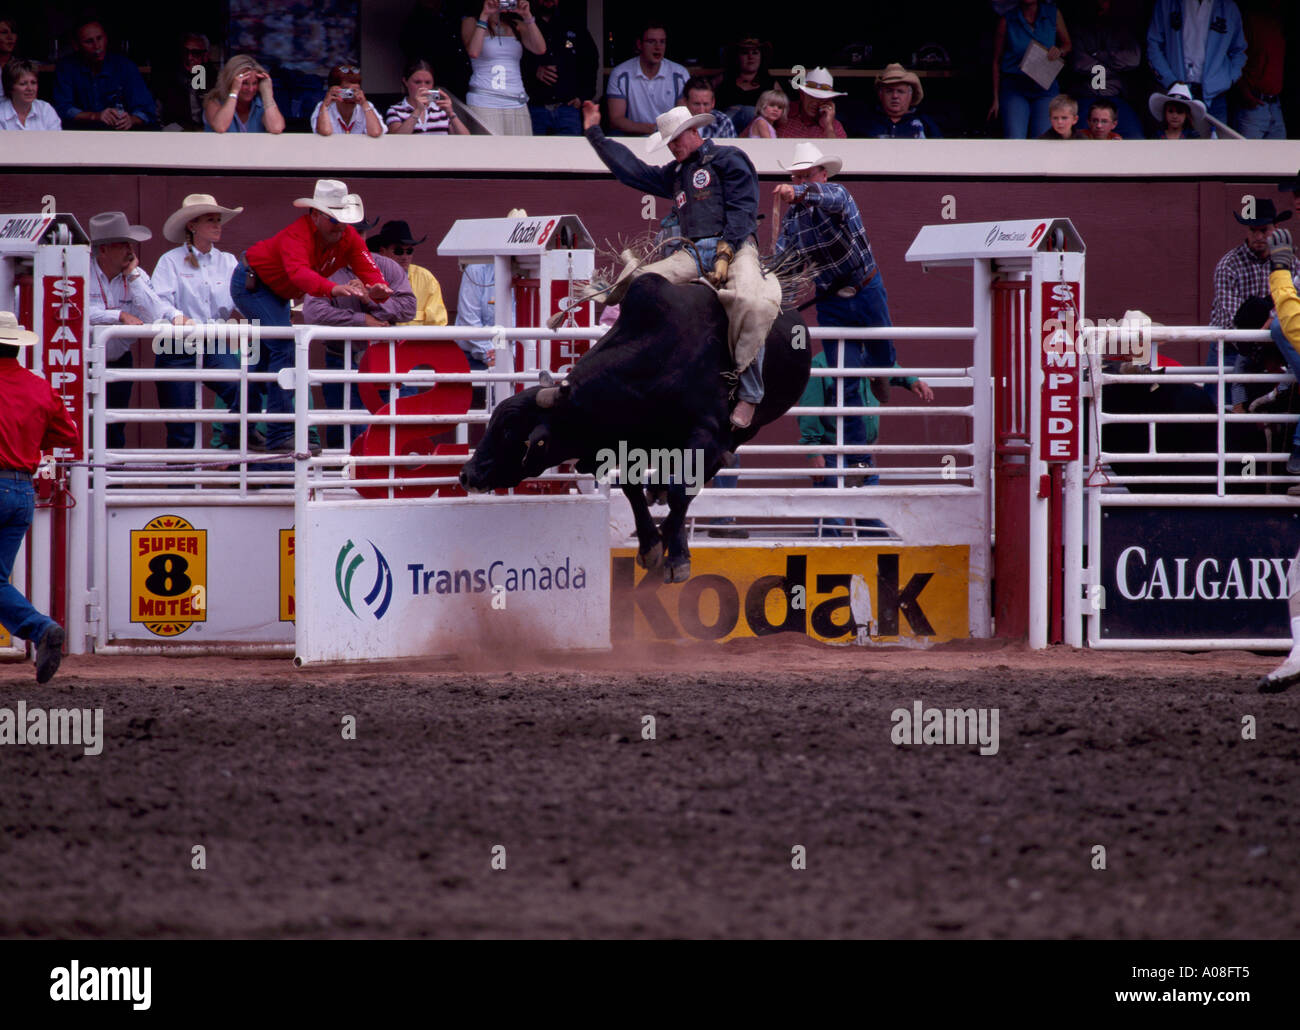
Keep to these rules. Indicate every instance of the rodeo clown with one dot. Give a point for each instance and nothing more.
(715, 190)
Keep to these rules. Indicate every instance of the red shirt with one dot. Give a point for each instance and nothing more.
(796, 126)
(1265, 53)
(294, 261)
(32, 418)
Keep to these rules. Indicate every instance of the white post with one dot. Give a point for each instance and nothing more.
(981, 570)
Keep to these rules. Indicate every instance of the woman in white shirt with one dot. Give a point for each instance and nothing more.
(495, 44)
(424, 110)
(195, 278)
(345, 111)
(20, 110)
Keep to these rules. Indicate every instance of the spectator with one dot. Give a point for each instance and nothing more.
(744, 79)
(1106, 53)
(32, 419)
(20, 110)
(296, 261)
(242, 100)
(698, 99)
(424, 109)
(8, 43)
(120, 293)
(345, 109)
(180, 86)
(1201, 43)
(1259, 108)
(352, 310)
(194, 278)
(94, 89)
(495, 44)
(814, 116)
(1180, 116)
(1102, 120)
(1064, 113)
(899, 94)
(648, 85)
(395, 241)
(1023, 104)
(1242, 272)
(1292, 186)
(823, 227)
(770, 115)
(564, 76)
(476, 305)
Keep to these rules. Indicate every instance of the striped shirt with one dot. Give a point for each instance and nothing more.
(722, 128)
(1238, 275)
(823, 225)
(434, 120)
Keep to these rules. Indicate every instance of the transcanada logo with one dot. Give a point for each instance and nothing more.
(349, 561)
(496, 576)
(996, 235)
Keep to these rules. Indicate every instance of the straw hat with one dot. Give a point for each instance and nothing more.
(112, 227)
(673, 123)
(808, 155)
(820, 84)
(896, 75)
(332, 198)
(12, 334)
(192, 207)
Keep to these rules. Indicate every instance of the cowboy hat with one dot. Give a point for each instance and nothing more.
(818, 83)
(673, 123)
(395, 231)
(1266, 213)
(112, 227)
(332, 198)
(192, 207)
(895, 75)
(807, 155)
(12, 334)
(1180, 94)
(516, 212)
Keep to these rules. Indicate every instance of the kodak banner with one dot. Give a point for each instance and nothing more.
(286, 575)
(169, 575)
(836, 594)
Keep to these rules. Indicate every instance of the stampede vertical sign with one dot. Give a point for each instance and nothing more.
(63, 323)
(1060, 401)
(169, 575)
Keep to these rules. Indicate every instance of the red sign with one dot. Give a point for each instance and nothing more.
(63, 306)
(1059, 422)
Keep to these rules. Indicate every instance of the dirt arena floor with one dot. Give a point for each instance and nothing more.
(760, 746)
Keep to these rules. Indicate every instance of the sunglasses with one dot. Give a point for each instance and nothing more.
(403, 251)
(348, 69)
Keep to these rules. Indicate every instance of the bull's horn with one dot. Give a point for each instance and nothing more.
(546, 396)
(546, 378)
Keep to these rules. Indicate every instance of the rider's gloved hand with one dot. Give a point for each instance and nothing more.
(721, 264)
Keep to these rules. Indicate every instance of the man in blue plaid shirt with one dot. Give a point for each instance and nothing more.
(823, 227)
(699, 97)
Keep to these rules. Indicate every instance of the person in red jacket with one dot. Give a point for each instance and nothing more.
(299, 260)
(32, 419)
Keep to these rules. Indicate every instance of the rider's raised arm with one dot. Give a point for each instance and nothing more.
(629, 169)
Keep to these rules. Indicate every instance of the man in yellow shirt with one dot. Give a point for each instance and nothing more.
(394, 240)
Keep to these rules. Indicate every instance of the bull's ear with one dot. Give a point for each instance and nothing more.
(552, 396)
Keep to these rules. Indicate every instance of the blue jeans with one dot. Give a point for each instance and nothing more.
(1234, 362)
(119, 396)
(181, 394)
(333, 394)
(270, 310)
(17, 506)
(1292, 359)
(869, 309)
(1263, 122)
(1024, 106)
(562, 120)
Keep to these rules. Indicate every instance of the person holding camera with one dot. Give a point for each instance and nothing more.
(345, 109)
(495, 42)
(424, 109)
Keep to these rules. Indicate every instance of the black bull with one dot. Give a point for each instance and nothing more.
(654, 382)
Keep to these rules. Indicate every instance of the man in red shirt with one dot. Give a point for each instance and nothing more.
(299, 260)
(1258, 110)
(32, 418)
(813, 117)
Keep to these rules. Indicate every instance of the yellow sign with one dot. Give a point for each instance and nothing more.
(856, 592)
(286, 575)
(169, 576)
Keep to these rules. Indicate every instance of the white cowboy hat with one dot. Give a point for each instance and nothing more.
(1180, 93)
(112, 227)
(332, 198)
(12, 334)
(192, 207)
(807, 155)
(517, 212)
(673, 123)
(819, 83)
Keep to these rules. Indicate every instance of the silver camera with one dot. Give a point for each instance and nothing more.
(347, 94)
(508, 5)
(432, 96)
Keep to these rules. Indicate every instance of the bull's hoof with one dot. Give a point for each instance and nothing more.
(677, 571)
(651, 559)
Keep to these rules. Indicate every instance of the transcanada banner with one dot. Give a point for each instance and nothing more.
(445, 576)
(1189, 573)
